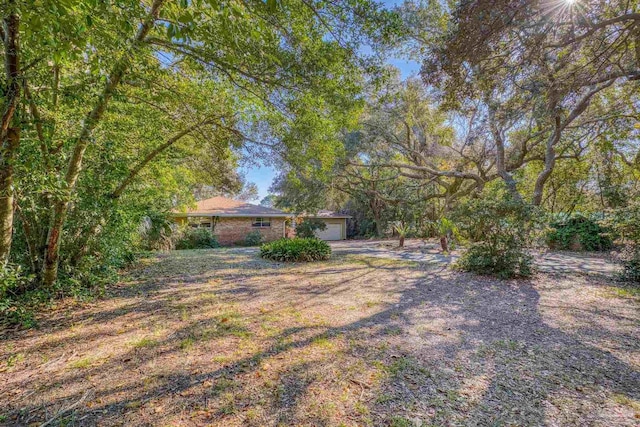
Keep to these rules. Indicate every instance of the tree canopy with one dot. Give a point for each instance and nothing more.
(115, 109)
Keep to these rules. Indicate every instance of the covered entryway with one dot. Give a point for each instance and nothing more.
(332, 232)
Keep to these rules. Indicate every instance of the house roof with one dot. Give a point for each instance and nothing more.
(225, 207)
(323, 213)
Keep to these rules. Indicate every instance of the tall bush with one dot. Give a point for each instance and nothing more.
(625, 222)
(195, 238)
(253, 238)
(578, 232)
(497, 228)
(306, 229)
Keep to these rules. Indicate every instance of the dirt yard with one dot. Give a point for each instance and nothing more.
(221, 337)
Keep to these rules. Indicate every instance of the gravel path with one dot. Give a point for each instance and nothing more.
(429, 252)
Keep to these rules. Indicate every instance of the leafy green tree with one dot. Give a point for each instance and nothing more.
(268, 201)
(139, 103)
(306, 229)
(539, 79)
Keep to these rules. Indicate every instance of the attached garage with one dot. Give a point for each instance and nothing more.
(332, 232)
(336, 225)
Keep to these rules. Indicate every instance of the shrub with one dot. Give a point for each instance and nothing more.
(307, 228)
(156, 231)
(625, 222)
(195, 238)
(503, 258)
(631, 267)
(498, 227)
(296, 250)
(254, 238)
(578, 233)
(15, 308)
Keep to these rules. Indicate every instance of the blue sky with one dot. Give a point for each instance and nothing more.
(263, 175)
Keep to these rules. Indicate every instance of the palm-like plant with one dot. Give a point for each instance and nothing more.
(402, 231)
(446, 230)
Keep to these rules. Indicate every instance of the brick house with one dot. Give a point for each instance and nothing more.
(231, 220)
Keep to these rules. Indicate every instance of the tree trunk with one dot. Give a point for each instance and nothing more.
(59, 209)
(6, 194)
(401, 244)
(444, 244)
(501, 165)
(549, 164)
(9, 136)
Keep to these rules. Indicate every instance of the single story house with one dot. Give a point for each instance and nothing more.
(231, 220)
(336, 225)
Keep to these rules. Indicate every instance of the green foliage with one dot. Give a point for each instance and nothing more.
(578, 232)
(631, 267)
(195, 238)
(446, 227)
(14, 307)
(145, 135)
(625, 222)
(21, 298)
(402, 229)
(498, 228)
(307, 227)
(156, 231)
(253, 238)
(503, 257)
(296, 250)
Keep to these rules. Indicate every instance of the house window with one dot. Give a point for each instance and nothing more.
(261, 222)
(200, 222)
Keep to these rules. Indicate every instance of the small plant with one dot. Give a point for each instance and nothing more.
(446, 231)
(308, 227)
(144, 343)
(578, 233)
(402, 231)
(296, 250)
(196, 238)
(254, 238)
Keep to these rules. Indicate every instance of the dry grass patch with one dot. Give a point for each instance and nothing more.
(223, 338)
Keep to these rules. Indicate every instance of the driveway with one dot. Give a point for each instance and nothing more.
(428, 251)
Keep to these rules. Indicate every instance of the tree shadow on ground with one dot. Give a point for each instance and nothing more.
(451, 349)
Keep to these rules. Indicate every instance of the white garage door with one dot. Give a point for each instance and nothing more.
(332, 232)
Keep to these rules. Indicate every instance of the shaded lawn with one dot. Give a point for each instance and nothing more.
(220, 337)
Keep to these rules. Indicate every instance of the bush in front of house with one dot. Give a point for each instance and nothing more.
(254, 238)
(498, 228)
(307, 228)
(296, 250)
(579, 233)
(195, 238)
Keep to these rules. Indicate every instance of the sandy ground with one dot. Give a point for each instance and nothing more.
(221, 337)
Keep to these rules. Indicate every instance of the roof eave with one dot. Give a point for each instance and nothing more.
(223, 215)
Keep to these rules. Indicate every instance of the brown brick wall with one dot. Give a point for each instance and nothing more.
(233, 230)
